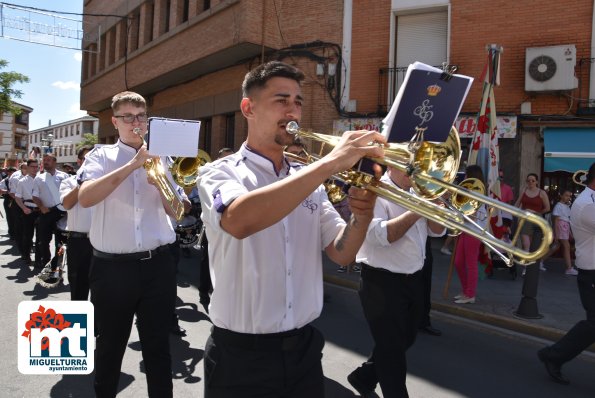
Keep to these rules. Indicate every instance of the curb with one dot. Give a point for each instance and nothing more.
(513, 324)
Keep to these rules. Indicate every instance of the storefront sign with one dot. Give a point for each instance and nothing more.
(466, 125)
(506, 126)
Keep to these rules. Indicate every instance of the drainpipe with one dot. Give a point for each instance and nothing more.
(592, 55)
(347, 30)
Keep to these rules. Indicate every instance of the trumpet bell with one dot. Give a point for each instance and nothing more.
(185, 170)
(465, 204)
(438, 160)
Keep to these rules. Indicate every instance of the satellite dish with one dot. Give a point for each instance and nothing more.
(542, 68)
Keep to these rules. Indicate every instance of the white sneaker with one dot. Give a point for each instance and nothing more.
(524, 271)
(445, 251)
(571, 271)
(465, 300)
(542, 266)
(458, 296)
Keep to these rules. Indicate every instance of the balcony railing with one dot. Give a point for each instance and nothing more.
(389, 82)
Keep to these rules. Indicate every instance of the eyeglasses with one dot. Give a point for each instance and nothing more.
(141, 117)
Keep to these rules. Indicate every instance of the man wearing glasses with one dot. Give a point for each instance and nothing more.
(133, 269)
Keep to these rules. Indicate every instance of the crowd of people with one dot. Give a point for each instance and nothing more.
(268, 219)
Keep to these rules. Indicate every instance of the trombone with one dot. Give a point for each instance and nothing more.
(432, 168)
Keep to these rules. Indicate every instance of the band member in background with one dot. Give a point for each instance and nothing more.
(392, 290)
(205, 285)
(8, 202)
(29, 213)
(582, 335)
(16, 211)
(133, 270)
(268, 222)
(46, 195)
(78, 225)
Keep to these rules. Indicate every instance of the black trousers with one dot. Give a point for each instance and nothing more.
(79, 255)
(392, 305)
(281, 365)
(8, 203)
(205, 286)
(17, 216)
(582, 335)
(120, 289)
(47, 228)
(426, 275)
(29, 224)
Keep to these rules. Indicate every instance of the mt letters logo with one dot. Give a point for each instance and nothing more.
(56, 337)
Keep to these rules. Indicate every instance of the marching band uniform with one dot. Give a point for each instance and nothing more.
(132, 271)
(391, 293)
(80, 250)
(28, 214)
(46, 192)
(275, 276)
(17, 213)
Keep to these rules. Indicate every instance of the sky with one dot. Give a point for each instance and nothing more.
(54, 73)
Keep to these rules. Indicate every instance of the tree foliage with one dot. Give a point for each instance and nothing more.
(7, 92)
(87, 139)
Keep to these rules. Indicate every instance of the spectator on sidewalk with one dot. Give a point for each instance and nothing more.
(563, 234)
(534, 199)
(468, 248)
(582, 335)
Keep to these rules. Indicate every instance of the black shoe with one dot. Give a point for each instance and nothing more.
(178, 330)
(360, 386)
(431, 330)
(553, 369)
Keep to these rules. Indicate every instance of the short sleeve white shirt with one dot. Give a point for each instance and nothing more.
(79, 218)
(270, 281)
(131, 219)
(405, 255)
(562, 211)
(582, 222)
(14, 180)
(42, 191)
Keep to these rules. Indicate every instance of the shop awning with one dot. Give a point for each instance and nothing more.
(568, 149)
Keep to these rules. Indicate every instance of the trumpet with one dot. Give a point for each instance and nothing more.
(579, 177)
(432, 168)
(156, 171)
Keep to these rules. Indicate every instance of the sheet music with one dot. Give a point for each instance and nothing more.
(173, 137)
(426, 100)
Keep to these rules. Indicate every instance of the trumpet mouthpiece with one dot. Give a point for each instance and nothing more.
(292, 127)
(137, 130)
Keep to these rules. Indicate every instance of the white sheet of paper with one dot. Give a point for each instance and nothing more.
(173, 137)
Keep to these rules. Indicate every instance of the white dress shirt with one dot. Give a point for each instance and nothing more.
(582, 222)
(13, 181)
(131, 219)
(403, 256)
(79, 218)
(44, 192)
(270, 281)
(24, 190)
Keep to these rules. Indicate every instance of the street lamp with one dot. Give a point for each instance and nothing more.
(47, 143)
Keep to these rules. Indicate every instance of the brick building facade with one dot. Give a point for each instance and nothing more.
(188, 58)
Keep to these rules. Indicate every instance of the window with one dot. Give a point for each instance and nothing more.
(230, 130)
(22, 118)
(205, 134)
(167, 15)
(206, 4)
(185, 9)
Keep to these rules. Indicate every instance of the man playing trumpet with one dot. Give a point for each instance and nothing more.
(268, 220)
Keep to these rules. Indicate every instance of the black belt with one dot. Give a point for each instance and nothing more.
(284, 341)
(79, 235)
(383, 270)
(146, 255)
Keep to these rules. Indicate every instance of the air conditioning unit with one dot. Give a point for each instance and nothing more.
(550, 68)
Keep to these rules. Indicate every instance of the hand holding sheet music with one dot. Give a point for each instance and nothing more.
(428, 99)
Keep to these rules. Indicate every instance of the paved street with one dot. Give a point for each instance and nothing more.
(469, 360)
